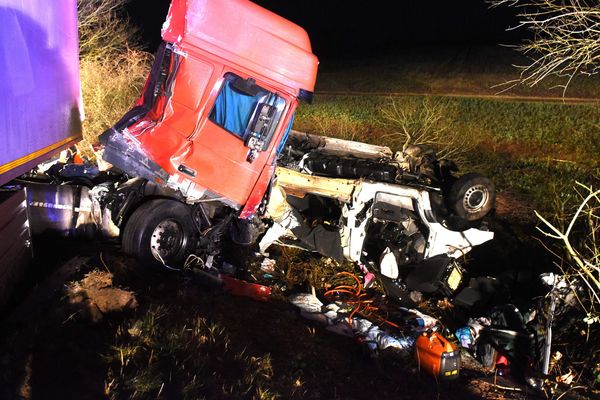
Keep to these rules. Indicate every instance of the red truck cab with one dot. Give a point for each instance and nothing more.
(218, 103)
(200, 144)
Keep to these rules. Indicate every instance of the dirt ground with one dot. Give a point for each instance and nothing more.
(91, 323)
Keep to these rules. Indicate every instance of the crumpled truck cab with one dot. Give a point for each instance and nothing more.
(218, 104)
(198, 148)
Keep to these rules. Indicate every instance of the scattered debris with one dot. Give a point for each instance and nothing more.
(337, 318)
(434, 353)
(468, 336)
(348, 314)
(268, 265)
(385, 239)
(567, 378)
(238, 287)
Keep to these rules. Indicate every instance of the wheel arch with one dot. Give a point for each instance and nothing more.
(134, 193)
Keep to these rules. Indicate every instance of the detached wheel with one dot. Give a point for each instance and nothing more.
(160, 232)
(472, 197)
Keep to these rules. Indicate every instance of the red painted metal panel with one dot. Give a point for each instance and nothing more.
(246, 34)
(209, 38)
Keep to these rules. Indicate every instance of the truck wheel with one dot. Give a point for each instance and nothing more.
(160, 233)
(472, 197)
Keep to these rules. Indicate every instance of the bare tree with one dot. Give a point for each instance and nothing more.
(565, 39)
(104, 30)
(582, 252)
(565, 43)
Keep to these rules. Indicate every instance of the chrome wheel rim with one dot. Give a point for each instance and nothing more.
(166, 240)
(476, 198)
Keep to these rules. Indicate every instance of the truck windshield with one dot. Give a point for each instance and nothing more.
(234, 109)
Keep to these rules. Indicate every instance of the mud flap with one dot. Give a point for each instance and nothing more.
(15, 248)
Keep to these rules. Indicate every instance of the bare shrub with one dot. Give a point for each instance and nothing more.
(565, 39)
(578, 252)
(423, 122)
(110, 87)
(113, 67)
(341, 126)
(579, 236)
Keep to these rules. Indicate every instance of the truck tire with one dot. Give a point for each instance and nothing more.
(472, 197)
(160, 233)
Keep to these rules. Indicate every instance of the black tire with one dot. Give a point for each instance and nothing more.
(472, 197)
(160, 229)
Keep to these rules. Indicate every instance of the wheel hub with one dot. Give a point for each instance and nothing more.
(476, 198)
(167, 239)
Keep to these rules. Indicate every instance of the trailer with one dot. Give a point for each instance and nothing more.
(40, 111)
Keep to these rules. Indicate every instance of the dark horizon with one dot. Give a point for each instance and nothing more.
(348, 29)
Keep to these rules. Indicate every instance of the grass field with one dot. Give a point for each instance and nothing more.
(535, 149)
(532, 148)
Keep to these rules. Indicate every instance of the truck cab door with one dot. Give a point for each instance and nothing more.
(233, 144)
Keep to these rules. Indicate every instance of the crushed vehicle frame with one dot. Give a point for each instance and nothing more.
(401, 214)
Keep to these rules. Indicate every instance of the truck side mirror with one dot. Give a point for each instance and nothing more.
(260, 130)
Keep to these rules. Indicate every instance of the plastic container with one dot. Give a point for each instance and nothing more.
(436, 355)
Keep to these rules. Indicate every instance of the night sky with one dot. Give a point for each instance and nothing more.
(355, 29)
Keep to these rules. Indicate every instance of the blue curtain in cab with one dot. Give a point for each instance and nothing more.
(233, 110)
(286, 134)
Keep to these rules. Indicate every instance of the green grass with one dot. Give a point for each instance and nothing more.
(172, 352)
(531, 148)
